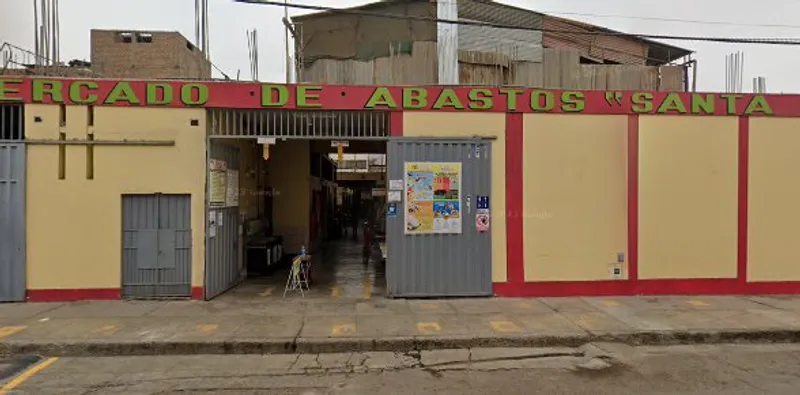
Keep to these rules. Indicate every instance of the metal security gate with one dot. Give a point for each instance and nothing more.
(157, 246)
(224, 264)
(427, 255)
(12, 203)
(12, 222)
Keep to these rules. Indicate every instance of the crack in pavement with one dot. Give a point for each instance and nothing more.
(297, 335)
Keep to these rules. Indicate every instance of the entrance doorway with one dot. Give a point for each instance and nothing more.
(292, 191)
(350, 213)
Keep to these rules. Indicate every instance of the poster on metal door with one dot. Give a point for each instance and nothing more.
(218, 180)
(433, 198)
(232, 189)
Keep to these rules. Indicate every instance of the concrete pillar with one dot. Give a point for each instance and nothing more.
(447, 42)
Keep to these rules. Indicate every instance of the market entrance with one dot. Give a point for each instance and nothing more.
(285, 181)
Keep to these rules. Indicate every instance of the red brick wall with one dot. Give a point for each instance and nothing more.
(169, 55)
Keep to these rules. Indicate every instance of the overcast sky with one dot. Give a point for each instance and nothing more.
(229, 22)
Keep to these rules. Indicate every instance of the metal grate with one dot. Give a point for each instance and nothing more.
(352, 125)
(12, 122)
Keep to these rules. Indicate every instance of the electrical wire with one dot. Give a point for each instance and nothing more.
(729, 40)
(676, 20)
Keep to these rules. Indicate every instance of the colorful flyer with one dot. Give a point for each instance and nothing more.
(433, 198)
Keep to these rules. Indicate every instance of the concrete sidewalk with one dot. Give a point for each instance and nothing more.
(271, 324)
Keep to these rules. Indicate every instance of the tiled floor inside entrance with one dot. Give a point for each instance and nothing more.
(338, 273)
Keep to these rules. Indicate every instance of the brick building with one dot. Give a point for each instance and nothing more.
(146, 54)
(120, 54)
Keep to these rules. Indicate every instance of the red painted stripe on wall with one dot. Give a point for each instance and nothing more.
(396, 123)
(723, 286)
(744, 170)
(198, 293)
(514, 205)
(68, 295)
(633, 198)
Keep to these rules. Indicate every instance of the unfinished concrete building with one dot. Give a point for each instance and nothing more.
(147, 54)
(118, 54)
(541, 51)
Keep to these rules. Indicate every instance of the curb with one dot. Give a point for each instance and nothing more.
(391, 344)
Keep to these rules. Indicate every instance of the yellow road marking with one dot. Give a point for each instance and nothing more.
(505, 326)
(611, 303)
(367, 287)
(268, 291)
(24, 376)
(697, 303)
(6, 331)
(207, 328)
(343, 329)
(584, 322)
(106, 330)
(526, 306)
(428, 327)
(429, 306)
(336, 292)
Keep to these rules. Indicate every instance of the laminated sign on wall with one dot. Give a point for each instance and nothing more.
(482, 220)
(232, 193)
(433, 198)
(218, 180)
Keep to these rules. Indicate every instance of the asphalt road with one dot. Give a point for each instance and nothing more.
(601, 369)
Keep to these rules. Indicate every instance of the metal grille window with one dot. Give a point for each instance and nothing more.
(12, 122)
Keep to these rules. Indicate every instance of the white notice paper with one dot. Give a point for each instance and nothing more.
(395, 196)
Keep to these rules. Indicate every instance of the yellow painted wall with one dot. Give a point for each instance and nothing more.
(688, 197)
(774, 193)
(289, 174)
(430, 124)
(74, 229)
(574, 195)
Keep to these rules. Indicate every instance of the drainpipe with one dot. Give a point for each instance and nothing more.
(447, 42)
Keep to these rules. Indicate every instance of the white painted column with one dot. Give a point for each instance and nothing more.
(447, 42)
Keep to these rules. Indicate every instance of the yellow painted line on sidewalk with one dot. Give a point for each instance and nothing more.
(367, 286)
(505, 327)
(428, 328)
(585, 322)
(24, 376)
(525, 306)
(343, 329)
(697, 303)
(106, 330)
(336, 292)
(429, 306)
(611, 303)
(268, 291)
(207, 328)
(6, 331)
